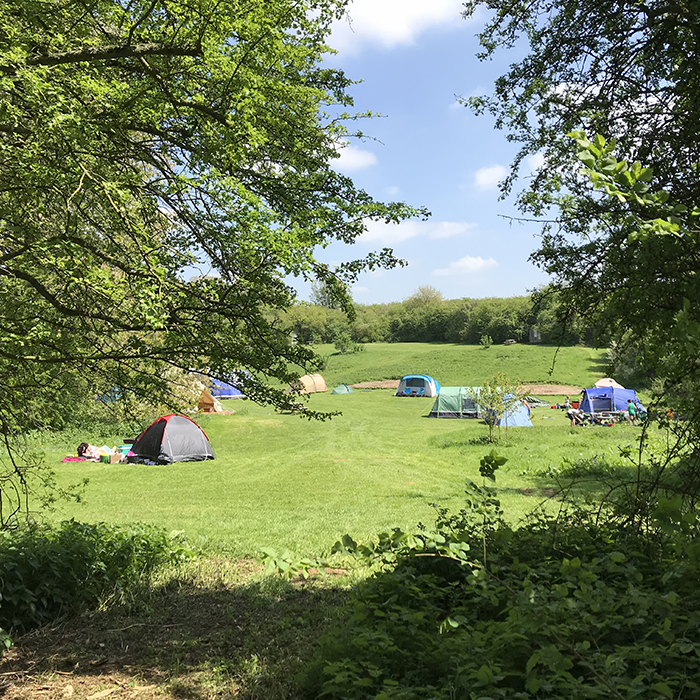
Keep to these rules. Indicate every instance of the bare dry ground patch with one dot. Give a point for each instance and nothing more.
(537, 389)
(196, 638)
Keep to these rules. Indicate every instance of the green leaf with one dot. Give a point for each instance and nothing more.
(663, 689)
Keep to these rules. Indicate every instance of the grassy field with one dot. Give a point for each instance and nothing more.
(218, 627)
(465, 365)
(285, 482)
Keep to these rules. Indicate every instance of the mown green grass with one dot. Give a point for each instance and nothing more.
(286, 482)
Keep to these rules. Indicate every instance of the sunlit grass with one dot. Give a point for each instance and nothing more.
(465, 365)
(285, 482)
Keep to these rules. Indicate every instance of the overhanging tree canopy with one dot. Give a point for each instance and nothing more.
(628, 71)
(166, 166)
(142, 140)
(621, 79)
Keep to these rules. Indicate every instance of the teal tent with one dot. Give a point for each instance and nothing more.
(343, 389)
(454, 402)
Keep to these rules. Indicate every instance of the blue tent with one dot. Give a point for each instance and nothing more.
(517, 417)
(609, 399)
(418, 385)
(229, 390)
(223, 390)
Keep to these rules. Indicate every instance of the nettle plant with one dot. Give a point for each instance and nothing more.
(52, 571)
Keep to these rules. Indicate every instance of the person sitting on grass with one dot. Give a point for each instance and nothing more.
(575, 415)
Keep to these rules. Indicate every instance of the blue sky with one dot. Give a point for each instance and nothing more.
(414, 57)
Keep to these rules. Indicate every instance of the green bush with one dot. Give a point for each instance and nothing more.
(557, 609)
(47, 571)
(344, 344)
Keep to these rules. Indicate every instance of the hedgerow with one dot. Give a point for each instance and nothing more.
(558, 608)
(49, 571)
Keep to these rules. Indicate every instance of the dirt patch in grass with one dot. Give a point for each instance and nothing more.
(538, 389)
(552, 390)
(384, 384)
(193, 637)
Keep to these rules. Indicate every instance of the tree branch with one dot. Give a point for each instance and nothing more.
(104, 53)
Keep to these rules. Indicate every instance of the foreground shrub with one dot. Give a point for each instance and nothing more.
(559, 608)
(49, 571)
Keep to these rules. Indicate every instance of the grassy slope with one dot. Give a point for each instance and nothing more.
(465, 365)
(282, 481)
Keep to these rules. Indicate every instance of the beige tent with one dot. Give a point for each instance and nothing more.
(607, 381)
(309, 384)
(208, 404)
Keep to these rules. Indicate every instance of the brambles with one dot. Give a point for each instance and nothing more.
(48, 571)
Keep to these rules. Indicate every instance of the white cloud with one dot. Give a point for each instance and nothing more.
(535, 162)
(390, 23)
(466, 266)
(488, 178)
(393, 191)
(353, 158)
(391, 234)
(448, 229)
(358, 289)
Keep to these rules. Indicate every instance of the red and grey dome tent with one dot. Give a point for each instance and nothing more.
(172, 439)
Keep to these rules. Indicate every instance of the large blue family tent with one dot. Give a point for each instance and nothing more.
(608, 399)
(417, 385)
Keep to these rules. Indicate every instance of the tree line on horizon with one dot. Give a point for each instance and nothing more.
(427, 317)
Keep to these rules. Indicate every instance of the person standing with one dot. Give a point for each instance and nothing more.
(631, 413)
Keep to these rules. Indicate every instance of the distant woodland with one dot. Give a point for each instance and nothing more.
(426, 317)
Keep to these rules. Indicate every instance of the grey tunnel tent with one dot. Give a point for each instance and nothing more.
(172, 439)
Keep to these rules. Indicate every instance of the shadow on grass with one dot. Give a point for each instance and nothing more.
(538, 492)
(584, 480)
(186, 639)
(445, 442)
(600, 365)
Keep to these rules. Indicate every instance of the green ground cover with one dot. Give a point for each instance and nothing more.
(285, 482)
(462, 365)
(217, 626)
